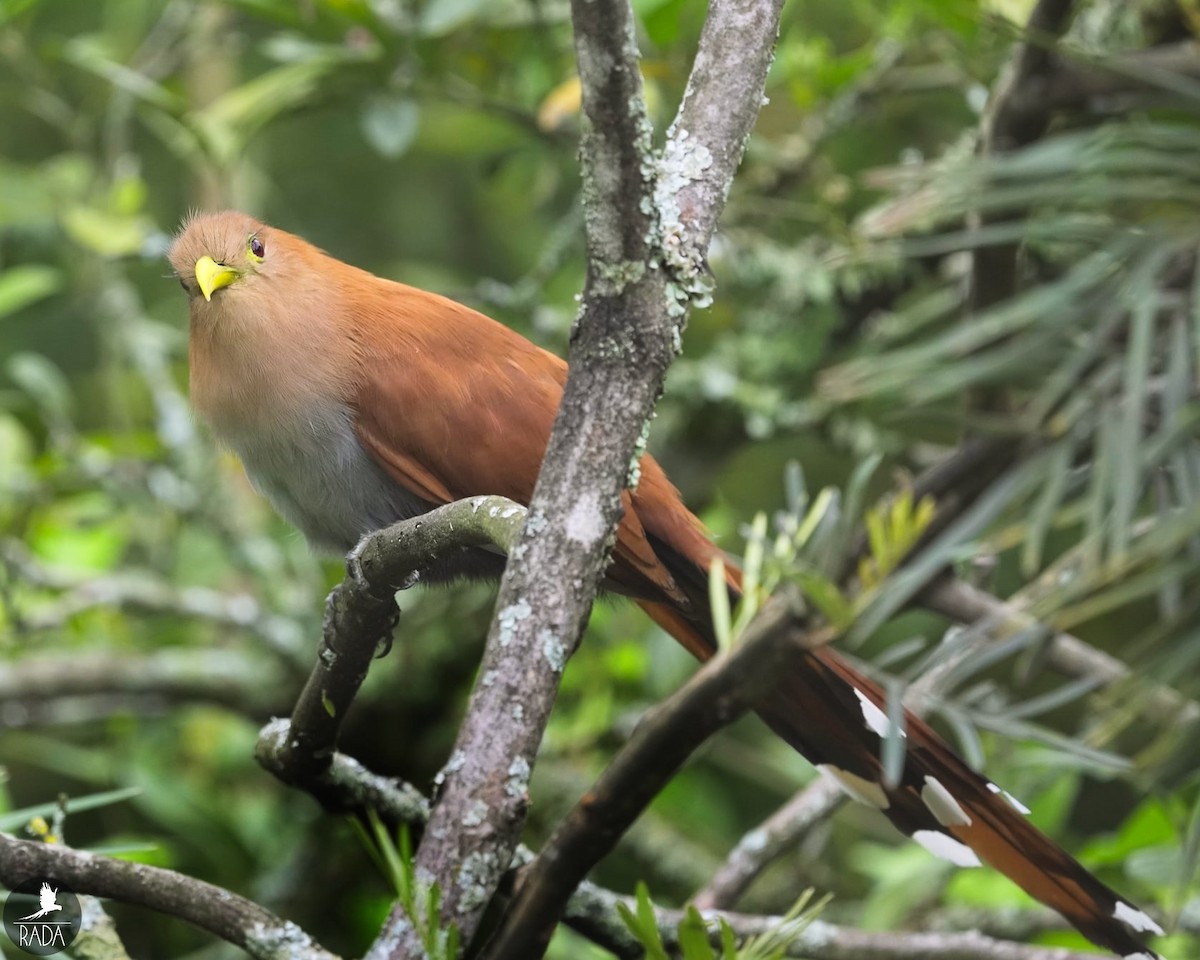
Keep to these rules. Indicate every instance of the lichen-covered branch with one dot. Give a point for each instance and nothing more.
(720, 106)
(620, 349)
(361, 612)
(722, 691)
(232, 918)
(647, 226)
(343, 783)
(592, 910)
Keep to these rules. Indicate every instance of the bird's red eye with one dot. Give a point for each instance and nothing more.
(257, 247)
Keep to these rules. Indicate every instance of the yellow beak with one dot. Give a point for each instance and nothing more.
(212, 276)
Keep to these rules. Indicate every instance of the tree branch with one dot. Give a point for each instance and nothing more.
(720, 105)
(232, 918)
(361, 612)
(722, 691)
(592, 912)
(248, 684)
(769, 841)
(143, 591)
(1071, 83)
(966, 604)
(647, 227)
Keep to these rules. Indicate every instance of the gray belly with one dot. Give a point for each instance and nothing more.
(319, 478)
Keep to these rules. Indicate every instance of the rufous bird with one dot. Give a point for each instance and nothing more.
(355, 402)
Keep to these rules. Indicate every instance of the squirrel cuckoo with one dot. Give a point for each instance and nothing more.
(355, 402)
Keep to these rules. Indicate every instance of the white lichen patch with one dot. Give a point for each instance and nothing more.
(536, 522)
(284, 939)
(947, 848)
(684, 160)
(488, 678)
(476, 814)
(389, 943)
(518, 777)
(509, 617)
(474, 881)
(941, 803)
(634, 476)
(611, 279)
(585, 522)
(1136, 919)
(553, 650)
(457, 761)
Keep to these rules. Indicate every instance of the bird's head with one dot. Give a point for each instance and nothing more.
(221, 254)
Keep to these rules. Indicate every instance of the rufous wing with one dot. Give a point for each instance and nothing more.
(453, 404)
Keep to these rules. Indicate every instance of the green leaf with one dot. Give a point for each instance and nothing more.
(16, 457)
(390, 124)
(108, 234)
(827, 597)
(228, 123)
(25, 285)
(718, 599)
(16, 819)
(443, 16)
(1053, 488)
(693, 937)
(43, 381)
(11, 9)
(643, 925)
(89, 53)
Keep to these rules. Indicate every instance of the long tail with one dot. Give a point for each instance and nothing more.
(836, 717)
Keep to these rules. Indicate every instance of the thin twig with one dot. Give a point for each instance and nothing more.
(773, 838)
(1072, 83)
(592, 912)
(98, 935)
(966, 604)
(251, 685)
(144, 592)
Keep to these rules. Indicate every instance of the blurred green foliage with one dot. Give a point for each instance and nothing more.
(434, 142)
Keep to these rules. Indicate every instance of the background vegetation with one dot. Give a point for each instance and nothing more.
(153, 612)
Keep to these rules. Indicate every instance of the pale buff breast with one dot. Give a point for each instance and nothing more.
(276, 390)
